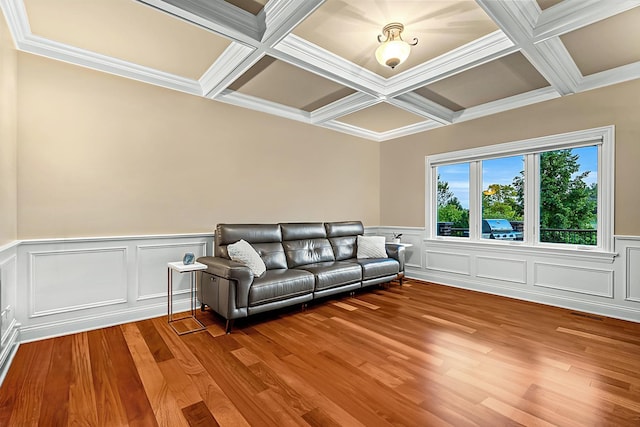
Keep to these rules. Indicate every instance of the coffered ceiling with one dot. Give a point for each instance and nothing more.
(313, 60)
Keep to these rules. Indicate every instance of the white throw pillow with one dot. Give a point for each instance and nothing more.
(371, 247)
(242, 252)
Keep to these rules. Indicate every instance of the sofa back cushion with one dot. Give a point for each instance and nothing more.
(303, 230)
(342, 236)
(266, 239)
(307, 251)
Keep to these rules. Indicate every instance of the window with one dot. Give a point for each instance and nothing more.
(550, 192)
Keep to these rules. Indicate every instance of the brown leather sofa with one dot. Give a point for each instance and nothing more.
(304, 261)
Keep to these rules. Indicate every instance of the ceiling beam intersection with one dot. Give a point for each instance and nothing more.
(517, 20)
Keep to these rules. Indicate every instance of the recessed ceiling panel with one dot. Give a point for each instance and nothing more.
(606, 44)
(285, 84)
(546, 4)
(127, 30)
(381, 118)
(349, 29)
(251, 6)
(504, 77)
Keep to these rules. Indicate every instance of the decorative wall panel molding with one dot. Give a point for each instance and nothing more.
(71, 285)
(508, 270)
(609, 287)
(152, 268)
(67, 280)
(448, 262)
(584, 280)
(632, 276)
(10, 331)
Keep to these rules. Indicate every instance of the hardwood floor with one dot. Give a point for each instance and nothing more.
(420, 354)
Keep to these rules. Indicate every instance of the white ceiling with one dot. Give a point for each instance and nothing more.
(312, 60)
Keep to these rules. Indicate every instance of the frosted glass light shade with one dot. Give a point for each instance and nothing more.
(393, 53)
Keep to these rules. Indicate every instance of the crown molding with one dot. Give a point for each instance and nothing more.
(84, 58)
(485, 49)
(347, 105)
(352, 130)
(408, 130)
(510, 103)
(424, 107)
(218, 16)
(235, 60)
(17, 20)
(569, 15)
(259, 104)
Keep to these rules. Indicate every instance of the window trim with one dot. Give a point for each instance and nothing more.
(604, 137)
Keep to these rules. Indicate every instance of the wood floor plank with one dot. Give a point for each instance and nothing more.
(82, 395)
(219, 404)
(419, 355)
(55, 398)
(29, 402)
(166, 410)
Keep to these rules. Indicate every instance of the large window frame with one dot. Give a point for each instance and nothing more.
(603, 138)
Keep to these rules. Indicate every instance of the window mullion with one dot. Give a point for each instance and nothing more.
(475, 201)
(532, 198)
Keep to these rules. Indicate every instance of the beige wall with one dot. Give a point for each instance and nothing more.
(403, 160)
(101, 155)
(8, 190)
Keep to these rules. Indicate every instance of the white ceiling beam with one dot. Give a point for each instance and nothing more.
(282, 16)
(517, 19)
(218, 16)
(569, 15)
(234, 61)
(501, 105)
(477, 52)
(423, 107)
(308, 56)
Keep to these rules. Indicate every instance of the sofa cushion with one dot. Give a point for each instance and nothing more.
(333, 273)
(272, 254)
(227, 234)
(371, 247)
(280, 284)
(302, 230)
(380, 267)
(308, 251)
(244, 253)
(344, 247)
(344, 228)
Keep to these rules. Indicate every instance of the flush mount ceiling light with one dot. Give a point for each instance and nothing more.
(393, 51)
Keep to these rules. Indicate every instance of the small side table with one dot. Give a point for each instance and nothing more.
(180, 267)
(404, 245)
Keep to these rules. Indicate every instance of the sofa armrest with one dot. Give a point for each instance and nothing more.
(396, 252)
(232, 271)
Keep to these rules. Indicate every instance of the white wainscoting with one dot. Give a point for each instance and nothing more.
(9, 327)
(72, 285)
(598, 285)
(629, 248)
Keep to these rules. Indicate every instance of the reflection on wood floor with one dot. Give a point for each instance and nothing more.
(420, 354)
